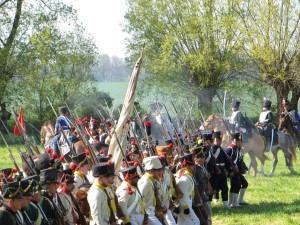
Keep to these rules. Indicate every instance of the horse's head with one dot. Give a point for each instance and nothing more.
(285, 122)
(214, 122)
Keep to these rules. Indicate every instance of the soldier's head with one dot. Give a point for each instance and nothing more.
(235, 105)
(199, 158)
(80, 163)
(266, 105)
(237, 139)
(130, 175)
(217, 137)
(187, 162)
(153, 166)
(48, 180)
(101, 172)
(63, 110)
(207, 138)
(12, 195)
(66, 180)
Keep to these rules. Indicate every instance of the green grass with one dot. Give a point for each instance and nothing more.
(273, 199)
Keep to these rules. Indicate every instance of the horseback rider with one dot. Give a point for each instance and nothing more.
(266, 122)
(235, 120)
(294, 116)
(63, 123)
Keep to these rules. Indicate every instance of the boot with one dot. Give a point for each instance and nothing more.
(226, 204)
(235, 203)
(230, 198)
(241, 197)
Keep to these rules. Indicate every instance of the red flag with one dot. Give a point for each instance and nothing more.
(20, 124)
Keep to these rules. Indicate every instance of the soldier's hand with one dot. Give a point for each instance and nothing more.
(186, 211)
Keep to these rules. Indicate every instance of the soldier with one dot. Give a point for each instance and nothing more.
(236, 119)
(97, 197)
(186, 184)
(222, 169)
(202, 176)
(63, 123)
(65, 190)
(148, 186)
(130, 199)
(48, 179)
(81, 166)
(233, 151)
(265, 123)
(294, 116)
(12, 202)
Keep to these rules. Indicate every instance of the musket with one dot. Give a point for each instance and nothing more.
(26, 217)
(175, 132)
(137, 143)
(52, 107)
(42, 213)
(224, 104)
(77, 208)
(19, 151)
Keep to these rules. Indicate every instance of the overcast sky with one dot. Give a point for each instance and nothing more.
(103, 19)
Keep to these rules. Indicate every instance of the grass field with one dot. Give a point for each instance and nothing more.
(273, 199)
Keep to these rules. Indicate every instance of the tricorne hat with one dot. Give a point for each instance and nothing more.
(152, 163)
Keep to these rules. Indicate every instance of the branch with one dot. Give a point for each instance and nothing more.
(3, 3)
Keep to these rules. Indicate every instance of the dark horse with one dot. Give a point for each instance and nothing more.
(287, 143)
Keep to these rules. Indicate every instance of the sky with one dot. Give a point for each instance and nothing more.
(103, 19)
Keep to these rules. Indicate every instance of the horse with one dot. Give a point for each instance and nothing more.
(287, 142)
(254, 146)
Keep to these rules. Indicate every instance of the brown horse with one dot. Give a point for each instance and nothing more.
(254, 146)
(287, 143)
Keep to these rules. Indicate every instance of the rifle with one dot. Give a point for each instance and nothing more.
(13, 159)
(60, 208)
(77, 208)
(198, 206)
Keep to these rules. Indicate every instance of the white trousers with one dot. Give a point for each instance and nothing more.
(136, 219)
(189, 219)
(169, 218)
(152, 219)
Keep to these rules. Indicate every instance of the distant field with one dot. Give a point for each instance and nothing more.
(273, 199)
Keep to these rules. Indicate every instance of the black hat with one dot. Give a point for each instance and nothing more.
(101, 169)
(11, 190)
(217, 134)
(48, 176)
(267, 104)
(237, 136)
(163, 160)
(8, 173)
(186, 160)
(236, 104)
(201, 154)
(29, 184)
(196, 149)
(102, 158)
(206, 136)
(63, 109)
(168, 141)
(80, 160)
(111, 171)
(129, 173)
(66, 176)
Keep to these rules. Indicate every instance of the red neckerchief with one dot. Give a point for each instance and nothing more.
(232, 145)
(65, 190)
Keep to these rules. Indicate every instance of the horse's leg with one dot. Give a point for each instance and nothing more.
(253, 162)
(288, 161)
(249, 167)
(275, 159)
(262, 159)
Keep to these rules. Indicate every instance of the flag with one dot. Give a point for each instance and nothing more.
(123, 126)
(20, 123)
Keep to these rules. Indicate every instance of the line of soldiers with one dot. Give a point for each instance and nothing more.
(167, 188)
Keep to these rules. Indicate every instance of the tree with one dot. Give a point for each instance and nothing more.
(190, 45)
(271, 41)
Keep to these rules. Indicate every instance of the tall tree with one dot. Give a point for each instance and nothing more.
(271, 41)
(190, 45)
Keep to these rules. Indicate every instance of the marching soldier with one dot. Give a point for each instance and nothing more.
(235, 184)
(97, 197)
(223, 168)
(81, 166)
(186, 184)
(65, 190)
(149, 188)
(12, 202)
(130, 199)
(48, 180)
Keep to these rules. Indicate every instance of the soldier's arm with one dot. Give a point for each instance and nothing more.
(183, 184)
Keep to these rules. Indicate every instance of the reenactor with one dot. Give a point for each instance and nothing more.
(236, 118)
(65, 189)
(97, 197)
(186, 184)
(55, 214)
(130, 199)
(12, 202)
(149, 188)
(223, 168)
(80, 164)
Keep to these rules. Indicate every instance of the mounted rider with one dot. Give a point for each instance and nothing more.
(266, 122)
(294, 116)
(63, 123)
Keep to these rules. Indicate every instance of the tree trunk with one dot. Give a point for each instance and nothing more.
(295, 99)
(281, 91)
(205, 98)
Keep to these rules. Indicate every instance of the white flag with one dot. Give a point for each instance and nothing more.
(122, 126)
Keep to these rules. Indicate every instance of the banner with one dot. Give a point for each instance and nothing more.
(20, 124)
